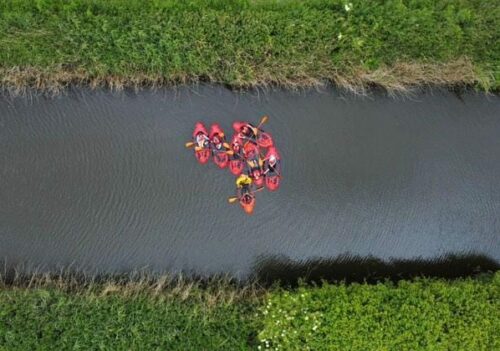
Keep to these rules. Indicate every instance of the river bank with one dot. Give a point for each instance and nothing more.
(52, 311)
(51, 44)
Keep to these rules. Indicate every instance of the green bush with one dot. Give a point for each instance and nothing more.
(420, 315)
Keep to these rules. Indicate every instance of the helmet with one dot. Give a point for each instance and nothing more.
(256, 173)
(216, 139)
(245, 130)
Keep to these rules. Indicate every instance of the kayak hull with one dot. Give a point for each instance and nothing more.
(236, 162)
(220, 156)
(251, 151)
(273, 179)
(247, 207)
(236, 166)
(273, 182)
(238, 125)
(259, 181)
(264, 140)
(202, 155)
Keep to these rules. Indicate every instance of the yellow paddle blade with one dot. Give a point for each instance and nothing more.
(262, 121)
(229, 152)
(226, 145)
(189, 144)
(232, 199)
(197, 148)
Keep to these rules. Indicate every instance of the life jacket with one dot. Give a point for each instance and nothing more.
(243, 180)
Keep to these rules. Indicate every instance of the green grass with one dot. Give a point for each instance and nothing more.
(397, 43)
(52, 320)
(130, 317)
(426, 314)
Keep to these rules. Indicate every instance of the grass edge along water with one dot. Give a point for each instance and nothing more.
(51, 44)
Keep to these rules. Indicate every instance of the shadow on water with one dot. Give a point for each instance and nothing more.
(371, 270)
(281, 270)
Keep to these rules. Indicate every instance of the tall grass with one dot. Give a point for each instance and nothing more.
(141, 312)
(48, 44)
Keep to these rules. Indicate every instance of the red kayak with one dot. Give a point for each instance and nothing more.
(258, 136)
(251, 151)
(255, 171)
(247, 201)
(264, 140)
(217, 140)
(202, 144)
(258, 177)
(236, 161)
(273, 172)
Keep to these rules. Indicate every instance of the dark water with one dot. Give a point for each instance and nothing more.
(102, 181)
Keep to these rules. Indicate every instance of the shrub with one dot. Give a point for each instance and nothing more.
(420, 315)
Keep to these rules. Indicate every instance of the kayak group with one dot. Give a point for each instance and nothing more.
(251, 156)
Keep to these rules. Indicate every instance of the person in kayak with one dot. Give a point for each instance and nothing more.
(272, 165)
(202, 141)
(238, 152)
(243, 184)
(255, 170)
(248, 132)
(217, 142)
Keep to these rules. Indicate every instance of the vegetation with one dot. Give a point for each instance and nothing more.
(48, 44)
(420, 315)
(43, 312)
(144, 314)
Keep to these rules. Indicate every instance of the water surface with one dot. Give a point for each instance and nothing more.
(102, 180)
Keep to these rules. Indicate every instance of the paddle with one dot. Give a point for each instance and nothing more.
(192, 143)
(275, 171)
(233, 199)
(262, 121)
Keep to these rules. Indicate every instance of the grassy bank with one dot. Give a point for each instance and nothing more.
(48, 44)
(146, 314)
